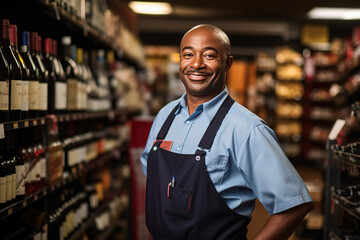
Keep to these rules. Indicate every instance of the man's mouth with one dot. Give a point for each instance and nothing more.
(197, 75)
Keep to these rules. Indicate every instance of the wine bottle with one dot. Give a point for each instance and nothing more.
(9, 189)
(43, 81)
(4, 88)
(2, 182)
(72, 74)
(43, 73)
(83, 79)
(61, 82)
(25, 73)
(15, 86)
(20, 176)
(34, 95)
(50, 66)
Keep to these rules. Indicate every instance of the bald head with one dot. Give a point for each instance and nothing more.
(217, 33)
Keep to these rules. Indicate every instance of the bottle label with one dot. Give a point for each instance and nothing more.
(8, 188)
(42, 167)
(25, 95)
(13, 185)
(16, 88)
(72, 90)
(43, 96)
(79, 95)
(34, 95)
(34, 172)
(2, 189)
(60, 95)
(4, 95)
(20, 180)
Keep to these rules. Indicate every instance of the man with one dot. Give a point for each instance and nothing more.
(207, 158)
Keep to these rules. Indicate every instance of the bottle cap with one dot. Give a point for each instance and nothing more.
(39, 45)
(14, 29)
(54, 47)
(33, 41)
(5, 27)
(66, 40)
(48, 45)
(26, 38)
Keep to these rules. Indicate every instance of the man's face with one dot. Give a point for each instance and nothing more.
(203, 63)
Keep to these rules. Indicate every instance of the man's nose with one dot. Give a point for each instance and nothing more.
(198, 62)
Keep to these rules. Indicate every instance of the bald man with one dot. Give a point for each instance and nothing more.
(208, 158)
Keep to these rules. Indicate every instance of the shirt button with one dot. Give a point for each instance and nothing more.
(178, 148)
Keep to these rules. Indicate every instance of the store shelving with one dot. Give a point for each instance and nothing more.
(51, 19)
(289, 89)
(342, 206)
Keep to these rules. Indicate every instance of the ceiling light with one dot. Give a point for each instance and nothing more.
(156, 8)
(334, 13)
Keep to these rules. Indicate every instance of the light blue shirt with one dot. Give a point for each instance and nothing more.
(245, 161)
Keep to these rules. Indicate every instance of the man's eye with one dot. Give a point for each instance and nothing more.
(210, 56)
(187, 55)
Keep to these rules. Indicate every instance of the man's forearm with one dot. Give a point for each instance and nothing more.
(282, 225)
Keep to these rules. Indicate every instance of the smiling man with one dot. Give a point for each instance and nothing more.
(208, 158)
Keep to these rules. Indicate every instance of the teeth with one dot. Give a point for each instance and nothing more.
(197, 76)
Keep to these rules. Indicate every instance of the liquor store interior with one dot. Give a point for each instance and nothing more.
(204, 119)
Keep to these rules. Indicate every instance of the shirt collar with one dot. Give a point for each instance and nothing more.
(210, 107)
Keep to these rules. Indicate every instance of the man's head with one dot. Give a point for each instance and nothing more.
(204, 60)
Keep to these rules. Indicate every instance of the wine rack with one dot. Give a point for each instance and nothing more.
(78, 172)
(53, 19)
(342, 203)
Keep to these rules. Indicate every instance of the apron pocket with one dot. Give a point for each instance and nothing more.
(178, 202)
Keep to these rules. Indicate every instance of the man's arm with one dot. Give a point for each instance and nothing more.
(282, 225)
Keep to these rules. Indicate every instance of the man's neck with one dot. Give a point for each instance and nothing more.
(193, 101)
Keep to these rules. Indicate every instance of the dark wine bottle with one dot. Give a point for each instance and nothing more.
(34, 97)
(4, 88)
(43, 73)
(72, 74)
(20, 176)
(50, 66)
(61, 82)
(2, 182)
(25, 73)
(15, 86)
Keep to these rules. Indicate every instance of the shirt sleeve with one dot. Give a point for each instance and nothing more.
(269, 173)
(150, 140)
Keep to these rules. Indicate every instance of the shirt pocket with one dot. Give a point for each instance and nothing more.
(216, 166)
(178, 202)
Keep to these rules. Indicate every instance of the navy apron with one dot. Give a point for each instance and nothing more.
(181, 200)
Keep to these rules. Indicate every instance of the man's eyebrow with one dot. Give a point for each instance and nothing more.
(206, 48)
(187, 47)
(211, 48)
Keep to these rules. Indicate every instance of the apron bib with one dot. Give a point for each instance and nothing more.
(181, 200)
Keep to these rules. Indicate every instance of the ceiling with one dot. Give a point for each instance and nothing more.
(252, 25)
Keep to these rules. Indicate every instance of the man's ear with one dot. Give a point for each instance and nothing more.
(229, 62)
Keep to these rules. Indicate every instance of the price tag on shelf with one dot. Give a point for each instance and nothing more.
(34, 123)
(15, 125)
(26, 123)
(42, 121)
(2, 132)
(10, 210)
(338, 126)
(24, 203)
(35, 197)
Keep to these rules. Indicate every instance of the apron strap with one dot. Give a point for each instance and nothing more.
(208, 138)
(166, 126)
